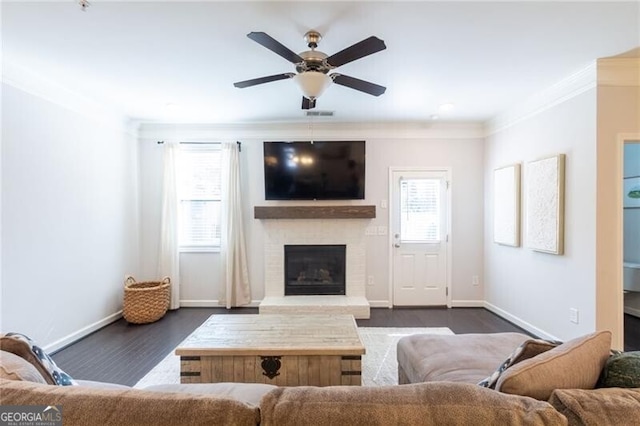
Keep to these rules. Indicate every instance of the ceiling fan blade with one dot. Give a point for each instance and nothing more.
(308, 103)
(275, 46)
(359, 50)
(357, 84)
(262, 80)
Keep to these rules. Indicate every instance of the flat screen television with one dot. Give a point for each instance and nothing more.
(319, 170)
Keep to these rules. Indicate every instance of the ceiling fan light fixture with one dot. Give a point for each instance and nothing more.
(312, 83)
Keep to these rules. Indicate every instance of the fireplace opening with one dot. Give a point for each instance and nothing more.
(314, 270)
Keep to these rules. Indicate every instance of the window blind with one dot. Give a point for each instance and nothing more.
(420, 210)
(200, 192)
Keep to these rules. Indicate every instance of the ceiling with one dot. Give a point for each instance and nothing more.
(177, 61)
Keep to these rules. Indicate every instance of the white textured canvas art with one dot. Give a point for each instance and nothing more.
(506, 205)
(544, 216)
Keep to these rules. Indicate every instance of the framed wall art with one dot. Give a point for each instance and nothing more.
(544, 218)
(506, 205)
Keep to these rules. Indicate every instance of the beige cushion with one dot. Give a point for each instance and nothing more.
(433, 403)
(465, 358)
(574, 364)
(22, 349)
(86, 406)
(101, 385)
(249, 393)
(608, 406)
(13, 367)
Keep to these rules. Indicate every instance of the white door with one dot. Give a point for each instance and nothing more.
(419, 237)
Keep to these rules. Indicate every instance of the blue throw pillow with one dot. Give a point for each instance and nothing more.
(59, 376)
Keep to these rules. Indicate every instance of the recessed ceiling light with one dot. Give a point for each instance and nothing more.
(446, 107)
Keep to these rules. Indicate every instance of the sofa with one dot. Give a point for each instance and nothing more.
(563, 374)
(437, 399)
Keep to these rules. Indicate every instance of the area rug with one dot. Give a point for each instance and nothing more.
(379, 365)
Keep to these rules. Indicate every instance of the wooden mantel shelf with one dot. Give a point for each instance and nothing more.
(314, 212)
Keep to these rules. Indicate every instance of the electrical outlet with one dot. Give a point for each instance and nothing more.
(370, 280)
(382, 230)
(383, 204)
(371, 230)
(475, 280)
(573, 315)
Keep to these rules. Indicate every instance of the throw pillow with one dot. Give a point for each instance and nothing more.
(574, 364)
(14, 367)
(528, 349)
(622, 370)
(24, 347)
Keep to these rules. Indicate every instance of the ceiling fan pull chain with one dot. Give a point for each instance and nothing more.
(311, 127)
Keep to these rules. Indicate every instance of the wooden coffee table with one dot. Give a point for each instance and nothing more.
(285, 350)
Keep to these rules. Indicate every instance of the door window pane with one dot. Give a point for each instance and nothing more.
(420, 210)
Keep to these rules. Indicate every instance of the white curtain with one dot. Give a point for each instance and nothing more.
(168, 259)
(235, 288)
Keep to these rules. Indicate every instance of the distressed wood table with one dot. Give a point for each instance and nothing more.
(284, 350)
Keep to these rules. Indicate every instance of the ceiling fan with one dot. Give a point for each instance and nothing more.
(313, 66)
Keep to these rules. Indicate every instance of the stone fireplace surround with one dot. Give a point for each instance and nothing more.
(350, 232)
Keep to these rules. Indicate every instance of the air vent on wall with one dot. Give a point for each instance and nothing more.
(311, 113)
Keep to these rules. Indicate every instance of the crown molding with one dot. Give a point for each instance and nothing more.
(562, 91)
(619, 72)
(313, 131)
(37, 85)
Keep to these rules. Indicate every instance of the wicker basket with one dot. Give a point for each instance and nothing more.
(146, 301)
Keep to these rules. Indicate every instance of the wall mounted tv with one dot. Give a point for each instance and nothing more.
(319, 170)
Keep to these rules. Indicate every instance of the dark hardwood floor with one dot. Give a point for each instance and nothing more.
(123, 353)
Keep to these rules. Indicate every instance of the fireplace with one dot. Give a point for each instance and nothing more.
(314, 270)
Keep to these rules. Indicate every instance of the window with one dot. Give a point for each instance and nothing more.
(420, 210)
(199, 196)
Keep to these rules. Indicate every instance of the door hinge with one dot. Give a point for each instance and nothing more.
(446, 291)
(447, 184)
(447, 238)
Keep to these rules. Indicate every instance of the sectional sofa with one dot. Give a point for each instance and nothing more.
(447, 400)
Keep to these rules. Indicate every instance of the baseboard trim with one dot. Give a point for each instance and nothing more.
(213, 303)
(467, 303)
(632, 311)
(380, 304)
(83, 332)
(519, 322)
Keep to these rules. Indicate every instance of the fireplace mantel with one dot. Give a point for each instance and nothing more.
(314, 212)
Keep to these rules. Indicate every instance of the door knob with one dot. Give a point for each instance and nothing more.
(397, 245)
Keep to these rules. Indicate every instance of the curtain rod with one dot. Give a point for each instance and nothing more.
(204, 143)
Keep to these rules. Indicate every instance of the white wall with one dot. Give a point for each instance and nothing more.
(459, 147)
(536, 290)
(69, 218)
